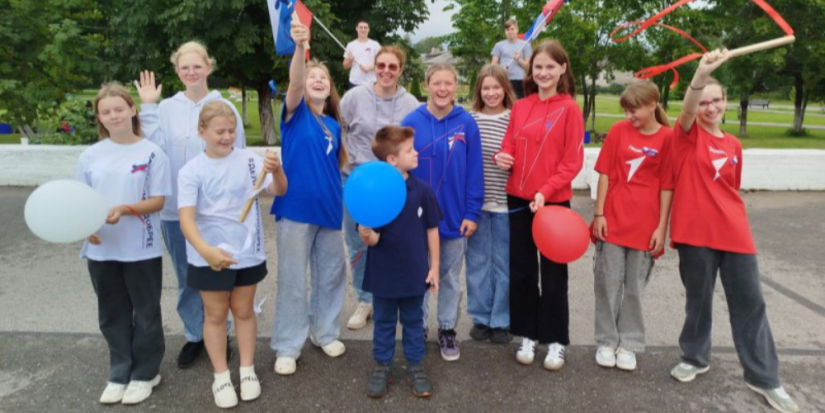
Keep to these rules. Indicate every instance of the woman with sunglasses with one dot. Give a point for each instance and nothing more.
(709, 228)
(364, 110)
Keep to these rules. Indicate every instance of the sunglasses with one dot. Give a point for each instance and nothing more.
(392, 67)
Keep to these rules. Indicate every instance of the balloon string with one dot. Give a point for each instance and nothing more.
(659, 69)
(137, 214)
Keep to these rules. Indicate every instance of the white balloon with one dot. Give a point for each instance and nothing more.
(65, 211)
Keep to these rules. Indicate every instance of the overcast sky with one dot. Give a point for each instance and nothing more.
(438, 24)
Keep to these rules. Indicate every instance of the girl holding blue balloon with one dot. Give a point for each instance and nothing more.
(309, 216)
(449, 147)
(124, 256)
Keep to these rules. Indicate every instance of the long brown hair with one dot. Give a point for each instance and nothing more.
(640, 93)
(500, 75)
(331, 106)
(554, 49)
(117, 90)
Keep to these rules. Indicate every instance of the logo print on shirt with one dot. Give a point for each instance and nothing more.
(329, 143)
(734, 161)
(459, 136)
(634, 166)
(420, 212)
(548, 125)
(650, 151)
(140, 168)
(718, 163)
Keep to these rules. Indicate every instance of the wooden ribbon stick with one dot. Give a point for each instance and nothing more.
(770, 44)
(295, 17)
(248, 206)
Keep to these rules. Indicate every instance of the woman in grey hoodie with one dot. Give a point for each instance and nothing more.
(364, 110)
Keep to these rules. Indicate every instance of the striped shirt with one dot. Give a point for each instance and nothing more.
(492, 129)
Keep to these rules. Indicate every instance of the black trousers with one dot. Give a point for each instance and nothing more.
(539, 309)
(518, 88)
(128, 300)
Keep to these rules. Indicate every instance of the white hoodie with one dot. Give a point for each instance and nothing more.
(173, 125)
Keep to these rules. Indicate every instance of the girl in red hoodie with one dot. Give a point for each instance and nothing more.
(630, 221)
(543, 149)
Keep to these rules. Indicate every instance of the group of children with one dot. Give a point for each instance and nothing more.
(474, 181)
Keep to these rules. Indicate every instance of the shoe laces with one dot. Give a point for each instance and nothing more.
(449, 339)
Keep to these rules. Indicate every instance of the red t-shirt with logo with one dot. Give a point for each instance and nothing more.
(638, 169)
(707, 209)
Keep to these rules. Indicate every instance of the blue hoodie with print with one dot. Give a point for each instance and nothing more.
(450, 161)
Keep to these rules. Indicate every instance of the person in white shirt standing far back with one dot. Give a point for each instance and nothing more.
(359, 57)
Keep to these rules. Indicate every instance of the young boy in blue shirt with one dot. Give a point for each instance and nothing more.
(402, 263)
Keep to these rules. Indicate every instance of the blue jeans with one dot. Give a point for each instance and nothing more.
(449, 285)
(357, 258)
(190, 305)
(385, 316)
(299, 245)
(488, 271)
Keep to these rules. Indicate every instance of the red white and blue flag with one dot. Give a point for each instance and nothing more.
(280, 16)
(547, 12)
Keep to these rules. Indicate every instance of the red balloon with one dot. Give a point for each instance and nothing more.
(560, 234)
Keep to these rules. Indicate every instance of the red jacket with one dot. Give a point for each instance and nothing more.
(546, 138)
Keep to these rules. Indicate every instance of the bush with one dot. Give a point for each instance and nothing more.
(71, 123)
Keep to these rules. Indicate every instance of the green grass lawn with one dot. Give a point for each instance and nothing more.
(758, 136)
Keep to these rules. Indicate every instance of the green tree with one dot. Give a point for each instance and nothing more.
(239, 36)
(47, 49)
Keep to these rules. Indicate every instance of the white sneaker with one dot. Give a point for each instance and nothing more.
(606, 357)
(138, 391)
(285, 366)
(334, 349)
(113, 393)
(527, 352)
(555, 357)
(625, 360)
(360, 316)
(224, 391)
(250, 386)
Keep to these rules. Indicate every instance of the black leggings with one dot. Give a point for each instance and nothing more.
(541, 314)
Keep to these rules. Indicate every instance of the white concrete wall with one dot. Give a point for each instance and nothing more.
(765, 169)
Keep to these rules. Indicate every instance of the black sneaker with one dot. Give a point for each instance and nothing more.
(421, 385)
(480, 332)
(501, 336)
(189, 353)
(380, 380)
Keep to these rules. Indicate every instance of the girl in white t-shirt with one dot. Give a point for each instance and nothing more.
(124, 256)
(226, 256)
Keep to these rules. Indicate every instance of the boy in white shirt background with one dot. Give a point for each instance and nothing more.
(359, 57)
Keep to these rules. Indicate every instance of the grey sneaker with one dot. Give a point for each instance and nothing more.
(685, 372)
(501, 336)
(421, 385)
(379, 382)
(777, 398)
(448, 344)
(481, 332)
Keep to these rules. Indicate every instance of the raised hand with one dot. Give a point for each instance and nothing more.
(299, 32)
(712, 60)
(148, 92)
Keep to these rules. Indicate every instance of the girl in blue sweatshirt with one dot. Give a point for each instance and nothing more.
(449, 147)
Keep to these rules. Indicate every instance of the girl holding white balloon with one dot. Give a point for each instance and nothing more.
(124, 256)
(226, 257)
(310, 216)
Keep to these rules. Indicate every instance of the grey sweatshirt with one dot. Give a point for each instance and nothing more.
(363, 113)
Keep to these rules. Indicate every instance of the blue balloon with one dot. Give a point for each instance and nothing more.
(375, 194)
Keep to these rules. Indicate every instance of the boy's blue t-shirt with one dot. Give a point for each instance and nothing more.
(310, 162)
(450, 161)
(397, 266)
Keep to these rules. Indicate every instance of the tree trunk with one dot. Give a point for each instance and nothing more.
(586, 103)
(244, 114)
(798, 110)
(743, 116)
(266, 113)
(593, 104)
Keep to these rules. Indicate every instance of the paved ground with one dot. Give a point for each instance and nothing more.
(52, 357)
